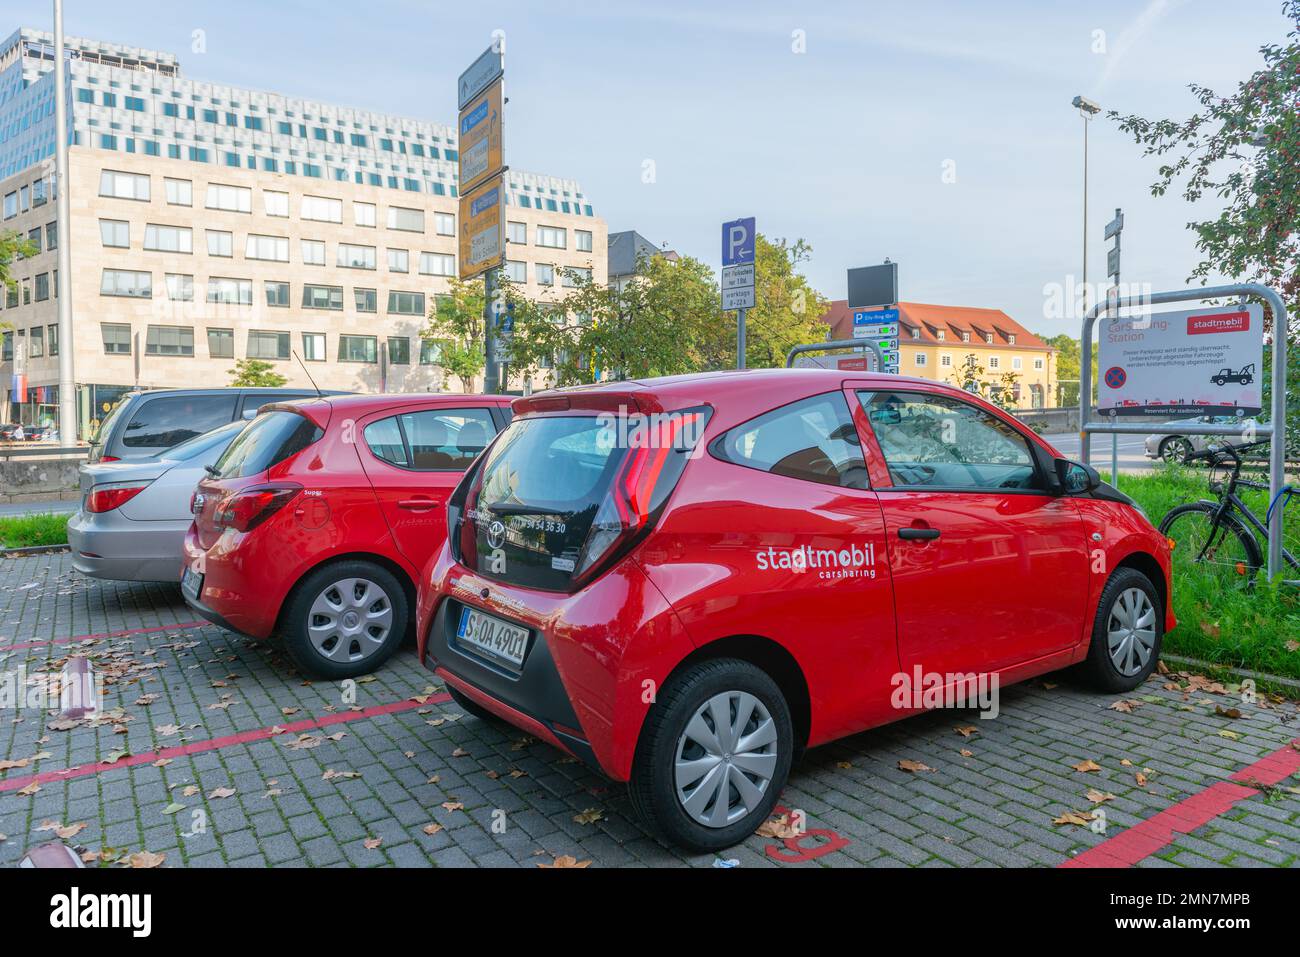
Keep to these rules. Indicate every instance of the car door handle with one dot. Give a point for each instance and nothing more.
(417, 504)
(924, 534)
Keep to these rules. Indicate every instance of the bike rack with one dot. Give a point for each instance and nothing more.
(1275, 430)
(833, 344)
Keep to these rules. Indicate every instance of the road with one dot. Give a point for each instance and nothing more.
(18, 509)
(1132, 458)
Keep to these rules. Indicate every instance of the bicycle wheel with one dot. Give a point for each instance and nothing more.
(1226, 552)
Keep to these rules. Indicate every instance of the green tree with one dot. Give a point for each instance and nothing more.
(1069, 359)
(1244, 148)
(787, 308)
(255, 373)
(12, 248)
(456, 326)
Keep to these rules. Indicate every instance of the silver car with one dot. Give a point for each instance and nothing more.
(1176, 448)
(134, 515)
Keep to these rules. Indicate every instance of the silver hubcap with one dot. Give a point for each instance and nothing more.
(350, 620)
(1131, 631)
(725, 759)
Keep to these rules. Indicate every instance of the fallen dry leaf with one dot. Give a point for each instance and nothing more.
(1227, 712)
(460, 753)
(1141, 779)
(431, 829)
(966, 754)
(566, 861)
(8, 765)
(1077, 818)
(372, 842)
(217, 793)
(907, 764)
(452, 806)
(29, 790)
(844, 765)
(1126, 706)
(1088, 764)
(1099, 797)
(141, 860)
(589, 816)
(777, 827)
(966, 730)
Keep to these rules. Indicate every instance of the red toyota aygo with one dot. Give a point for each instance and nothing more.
(685, 582)
(315, 522)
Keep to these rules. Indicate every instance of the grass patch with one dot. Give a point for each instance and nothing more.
(24, 531)
(1226, 624)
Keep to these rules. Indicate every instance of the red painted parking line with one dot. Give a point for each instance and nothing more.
(1145, 838)
(215, 744)
(179, 626)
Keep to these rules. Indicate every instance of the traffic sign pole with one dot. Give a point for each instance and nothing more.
(492, 364)
(739, 245)
(740, 338)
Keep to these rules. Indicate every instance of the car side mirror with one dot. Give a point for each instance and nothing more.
(1075, 478)
(885, 416)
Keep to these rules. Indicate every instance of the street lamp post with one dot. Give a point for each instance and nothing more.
(1087, 109)
(67, 385)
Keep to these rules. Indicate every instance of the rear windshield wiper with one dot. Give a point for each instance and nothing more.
(505, 508)
(212, 470)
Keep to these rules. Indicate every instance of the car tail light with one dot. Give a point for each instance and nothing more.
(244, 511)
(645, 478)
(110, 458)
(105, 498)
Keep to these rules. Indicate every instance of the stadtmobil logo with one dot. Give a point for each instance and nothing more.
(1218, 322)
(74, 909)
(852, 561)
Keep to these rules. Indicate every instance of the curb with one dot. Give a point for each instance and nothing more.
(33, 550)
(1260, 676)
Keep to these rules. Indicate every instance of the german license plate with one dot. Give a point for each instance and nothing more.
(191, 584)
(497, 640)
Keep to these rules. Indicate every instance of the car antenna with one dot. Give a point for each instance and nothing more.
(319, 393)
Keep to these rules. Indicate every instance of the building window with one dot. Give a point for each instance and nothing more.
(169, 341)
(364, 214)
(575, 274)
(322, 297)
(273, 248)
(53, 338)
(313, 252)
(358, 349)
(1016, 362)
(1038, 364)
(407, 220)
(399, 260)
(945, 361)
(234, 292)
(221, 243)
(366, 300)
(399, 350)
(180, 287)
(180, 192)
(169, 239)
(277, 294)
(516, 271)
(11, 204)
(545, 274)
(117, 338)
(36, 342)
(445, 224)
(52, 236)
(277, 204)
(965, 337)
(405, 303)
(582, 240)
(115, 232)
(995, 362)
(126, 282)
(920, 358)
(124, 185)
(437, 264)
(233, 199)
(1011, 338)
(313, 346)
(356, 257)
(516, 233)
(431, 351)
(267, 345)
(938, 334)
(322, 209)
(552, 237)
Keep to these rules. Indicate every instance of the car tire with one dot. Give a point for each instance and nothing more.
(1175, 449)
(1129, 603)
(751, 790)
(344, 620)
(469, 706)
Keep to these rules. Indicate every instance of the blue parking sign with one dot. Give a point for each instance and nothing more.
(738, 242)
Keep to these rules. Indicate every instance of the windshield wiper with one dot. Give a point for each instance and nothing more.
(212, 470)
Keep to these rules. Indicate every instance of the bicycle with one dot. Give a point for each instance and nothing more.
(1210, 534)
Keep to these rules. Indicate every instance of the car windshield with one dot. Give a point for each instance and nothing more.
(196, 446)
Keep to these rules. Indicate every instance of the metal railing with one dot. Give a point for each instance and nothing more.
(834, 345)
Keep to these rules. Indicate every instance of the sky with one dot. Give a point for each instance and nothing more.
(939, 135)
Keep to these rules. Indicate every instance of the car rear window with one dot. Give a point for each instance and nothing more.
(266, 441)
(167, 420)
(813, 440)
(537, 495)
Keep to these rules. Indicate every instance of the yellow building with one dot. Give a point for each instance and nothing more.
(969, 347)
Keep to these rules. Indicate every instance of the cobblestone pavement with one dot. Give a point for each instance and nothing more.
(212, 751)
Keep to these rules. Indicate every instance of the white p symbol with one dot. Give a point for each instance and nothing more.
(736, 236)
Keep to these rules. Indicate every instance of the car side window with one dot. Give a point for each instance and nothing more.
(433, 440)
(934, 441)
(813, 440)
(169, 420)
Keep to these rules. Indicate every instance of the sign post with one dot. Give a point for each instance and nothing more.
(1113, 229)
(481, 100)
(738, 245)
(873, 297)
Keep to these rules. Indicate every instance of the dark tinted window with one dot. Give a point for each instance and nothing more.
(813, 440)
(267, 440)
(252, 401)
(167, 420)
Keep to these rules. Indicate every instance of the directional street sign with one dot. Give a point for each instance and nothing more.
(490, 65)
(482, 152)
(1115, 225)
(482, 228)
(738, 241)
(880, 325)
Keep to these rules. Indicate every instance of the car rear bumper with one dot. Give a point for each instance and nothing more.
(114, 547)
(230, 597)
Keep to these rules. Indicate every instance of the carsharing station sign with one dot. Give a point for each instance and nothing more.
(1199, 362)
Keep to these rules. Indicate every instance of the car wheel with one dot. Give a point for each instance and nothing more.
(1126, 633)
(345, 620)
(1175, 449)
(469, 706)
(713, 755)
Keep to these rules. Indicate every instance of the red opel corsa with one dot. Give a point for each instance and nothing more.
(687, 581)
(317, 519)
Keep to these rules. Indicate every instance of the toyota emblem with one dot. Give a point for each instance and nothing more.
(496, 534)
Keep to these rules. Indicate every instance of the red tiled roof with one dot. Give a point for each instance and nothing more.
(952, 320)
